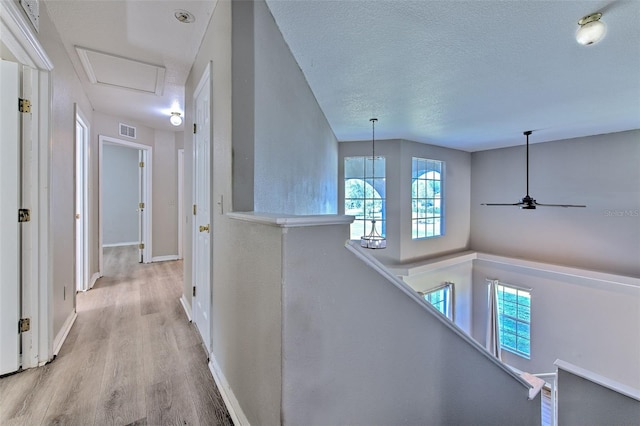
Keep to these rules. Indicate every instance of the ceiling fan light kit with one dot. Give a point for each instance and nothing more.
(528, 202)
(591, 30)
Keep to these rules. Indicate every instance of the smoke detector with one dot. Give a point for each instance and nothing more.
(184, 16)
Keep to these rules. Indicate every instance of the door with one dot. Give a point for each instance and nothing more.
(9, 226)
(141, 206)
(82, 143)
(202, 210)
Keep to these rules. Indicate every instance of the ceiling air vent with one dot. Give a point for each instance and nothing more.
(127, 131)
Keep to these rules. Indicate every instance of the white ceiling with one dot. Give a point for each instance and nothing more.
(470, 75)
(142, 31)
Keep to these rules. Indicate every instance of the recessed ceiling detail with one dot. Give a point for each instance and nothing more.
(111, 70)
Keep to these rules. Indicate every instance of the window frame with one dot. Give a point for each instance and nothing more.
(367, 178)
(449, 298)
(517, 320)
(420, 166)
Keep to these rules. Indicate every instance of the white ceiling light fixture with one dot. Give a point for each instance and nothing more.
(184, 16)
(591, 30)
(175, 119)
(373, 240)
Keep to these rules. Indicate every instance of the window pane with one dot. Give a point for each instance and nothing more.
(426, 197)
(514, 307)
(364, 195)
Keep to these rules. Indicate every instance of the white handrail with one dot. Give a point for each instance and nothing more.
(597, 378)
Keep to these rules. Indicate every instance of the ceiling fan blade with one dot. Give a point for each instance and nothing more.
(560, 205)
(501, 204)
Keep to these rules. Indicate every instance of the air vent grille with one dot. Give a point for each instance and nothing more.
(128, 131)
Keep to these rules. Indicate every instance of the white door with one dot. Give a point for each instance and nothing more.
(82, 142)
(202, 211)
(9, 227)
(141, 205)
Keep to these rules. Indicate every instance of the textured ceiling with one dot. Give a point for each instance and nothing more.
(470, 75)
(145, 31)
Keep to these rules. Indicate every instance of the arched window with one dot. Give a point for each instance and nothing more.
(364, 194)
(427, 200)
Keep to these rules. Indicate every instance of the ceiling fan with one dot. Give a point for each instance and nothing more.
(528, 202)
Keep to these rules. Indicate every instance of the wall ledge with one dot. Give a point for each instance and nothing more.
(291, 221)
(596, 378)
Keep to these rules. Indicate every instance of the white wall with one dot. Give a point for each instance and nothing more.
(66, 91)
(599, 171)
(120, 197)
(401, 248)
(592, 321)
(461, 276)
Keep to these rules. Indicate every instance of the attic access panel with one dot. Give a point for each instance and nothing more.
(116, 71)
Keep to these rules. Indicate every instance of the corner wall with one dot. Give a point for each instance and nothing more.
(599, 171)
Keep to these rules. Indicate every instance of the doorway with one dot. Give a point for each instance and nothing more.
(125, 197)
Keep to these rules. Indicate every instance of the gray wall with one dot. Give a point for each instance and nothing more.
(358, 350)
(66, 90)
(592, 323)
(398, 153)
(599, 171)
(120, 198)
(585, 403)
(165, 177)
(277, 120)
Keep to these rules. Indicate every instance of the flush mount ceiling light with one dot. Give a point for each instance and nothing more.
(184, 16)
(175, 119)
(591, 30)
(373, 240)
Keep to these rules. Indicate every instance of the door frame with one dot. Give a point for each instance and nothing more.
(82, 178)
(19, 37)
(147, 152)
(180, 203)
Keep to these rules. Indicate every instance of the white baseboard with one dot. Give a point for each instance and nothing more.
(235, 411)
(132, 243)
(164, 258)
(94, 278)
(64, 332)
(186, 307)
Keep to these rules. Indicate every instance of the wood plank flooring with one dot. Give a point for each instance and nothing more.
(131, 358)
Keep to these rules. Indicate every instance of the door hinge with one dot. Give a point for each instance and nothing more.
(194, 209)
(141, 164)
(24, 215)
(141, 205)
(24, 105)
(194, 128)
(24, 324)
(194, 291)
(141, 246)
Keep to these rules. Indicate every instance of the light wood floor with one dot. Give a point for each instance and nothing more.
(131, 358)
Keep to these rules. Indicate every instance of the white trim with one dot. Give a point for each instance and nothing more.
(621, 388)
(180, 203)
(19, 38)
(128, 244)
(186, 307)
(64, 332)
(292, 221)
(95, 277)
(148, 170)
(233, 406)
(165, 258)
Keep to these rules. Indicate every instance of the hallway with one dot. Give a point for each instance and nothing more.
(130, 358)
